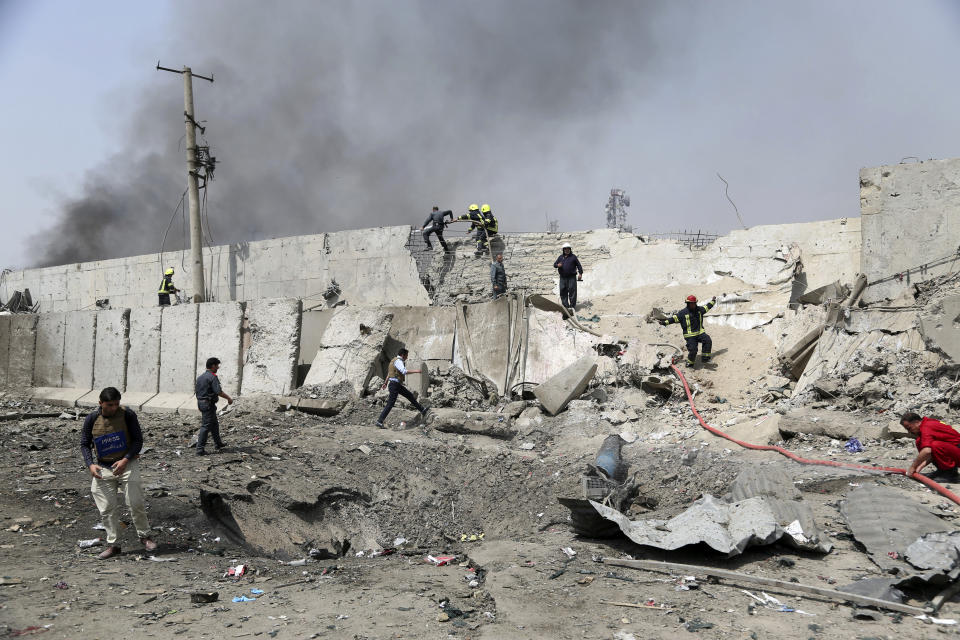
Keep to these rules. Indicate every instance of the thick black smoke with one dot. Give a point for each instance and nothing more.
(335, 115)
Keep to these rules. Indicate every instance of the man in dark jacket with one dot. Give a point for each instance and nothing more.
(691, 319)
(112, 433)
(498, 277)
(435, 224)
(570, 270)
(207, 391)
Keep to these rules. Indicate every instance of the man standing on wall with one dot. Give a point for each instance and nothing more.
(434, 224)
(498, 277)
(396, 374)
(207, 391)
(570, 270)
(113, 433)
(166, 288)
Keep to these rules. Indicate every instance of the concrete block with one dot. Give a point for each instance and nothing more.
(218, 336)
(940, 331)
(555, 393)
(321, 406)
(419, 383)
(58, 396)
(143, 357)
(271, 346)
(178, 348)
(426, 331)
(78, 349)
(5, 322)
(48, 359)
(482, 423)
(166, 402)
(23, 340)
(314, 323)
(130, 399)
(351, 349)
(110, 355)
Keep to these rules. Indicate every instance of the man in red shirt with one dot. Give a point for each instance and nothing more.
(937, 442)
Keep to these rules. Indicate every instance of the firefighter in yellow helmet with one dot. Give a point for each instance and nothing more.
(166, 288)
(474, 217)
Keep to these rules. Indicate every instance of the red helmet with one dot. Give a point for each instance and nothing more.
(691, 298)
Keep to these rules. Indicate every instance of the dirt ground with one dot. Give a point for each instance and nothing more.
(372, 505)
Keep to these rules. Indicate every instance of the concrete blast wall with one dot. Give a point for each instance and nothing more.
(48, 358)
(910, 216)
(271, 346)
(23, 343)
(4, 348)
(178, 348)
(371, 266)
(80, 337)
(143, 358)
(112, 345)
(218, 336)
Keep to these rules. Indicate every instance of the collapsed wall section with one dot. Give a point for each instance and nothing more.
(351, 346)
(271, 345)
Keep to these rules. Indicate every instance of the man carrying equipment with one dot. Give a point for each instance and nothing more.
(691, 318)
(435, 224)
(166, 288)
(485, 224)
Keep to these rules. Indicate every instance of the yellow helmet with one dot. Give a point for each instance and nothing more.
(168, 272)
(474, 207)
(485, 209)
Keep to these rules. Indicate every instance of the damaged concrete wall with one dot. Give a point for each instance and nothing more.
(218, 336)
(23, 342)
(48, 357)
(427, 332)
(79, 344)
(372, 267)
(910, 215)
(4, 348)
(350, 348)
(143, 369)
(112, 345)
(178, 348)
(271, 346)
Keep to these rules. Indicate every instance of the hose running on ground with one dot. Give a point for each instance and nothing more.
(829, 463)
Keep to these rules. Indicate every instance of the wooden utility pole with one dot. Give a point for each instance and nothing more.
(193, 190)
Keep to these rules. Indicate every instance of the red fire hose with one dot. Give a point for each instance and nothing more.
(829, 463)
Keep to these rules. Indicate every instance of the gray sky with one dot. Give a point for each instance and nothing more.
(335, 115)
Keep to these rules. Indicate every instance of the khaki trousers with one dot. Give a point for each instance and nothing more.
(105, 495)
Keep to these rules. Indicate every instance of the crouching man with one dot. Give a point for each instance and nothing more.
(938, 443)
(110, 442)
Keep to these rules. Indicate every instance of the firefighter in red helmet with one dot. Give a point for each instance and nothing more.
(691, 319)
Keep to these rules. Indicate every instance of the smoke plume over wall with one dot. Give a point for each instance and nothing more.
(334, 115)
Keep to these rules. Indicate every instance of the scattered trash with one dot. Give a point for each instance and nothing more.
(527, 446)
(256, 592)
(853, 446)
(570, 553)
(237, 571)
(399, 541)
(99, 527)
(686, 583)
(441, 560)
(697, 625)
(295, 563)
(770, 602)
(61, 585)
(243, 599)
(156, 559)
(364, 449)
(92, 542)
(473, 537)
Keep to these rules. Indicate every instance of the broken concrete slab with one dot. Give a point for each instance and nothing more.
(555, 393)
(428, 332)
(839, 425)
(321, 406)
(48, 358)
(143, 357)
(725, 528)
(488, 340)
(4, 348)
(78, 350)
(23, 338)
(481, 423)
(886, 522)
(130, 399)
(166, 402)
(351, 349)
(419, 383)
(178, 348)
(112, 345)
(271, 344)
(218, 336)
(58, 396)
(940, 330)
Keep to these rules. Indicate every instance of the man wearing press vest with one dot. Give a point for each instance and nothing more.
(110, 442)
